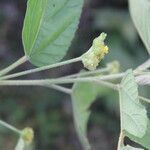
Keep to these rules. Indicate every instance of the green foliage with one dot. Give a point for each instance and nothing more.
(83, 95)
(140, 14)
(145, 139)
(133, 113)
(49, 28)
(134, 120)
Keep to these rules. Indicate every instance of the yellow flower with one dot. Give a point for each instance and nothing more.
(96, 53)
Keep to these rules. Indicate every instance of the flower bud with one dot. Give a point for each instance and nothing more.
(27, 135)
(96, 53)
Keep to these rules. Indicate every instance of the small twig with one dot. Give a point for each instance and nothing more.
(87, 73)
(51, 83)
(121, 140)
(143, 79)
(144, 99)
(13, 66)
(60, 88)
(8, 126)
(107, 84)
(44, 82)
(41, 68)
(144, 66)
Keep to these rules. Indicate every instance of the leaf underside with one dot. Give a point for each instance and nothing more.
(134, 120)
(83, 95)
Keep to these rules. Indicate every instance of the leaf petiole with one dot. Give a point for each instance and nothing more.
(41, 68)
(14, 65)
(8, 126)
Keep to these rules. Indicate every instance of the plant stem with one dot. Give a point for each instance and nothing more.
(144, 99)
(60, 80)
(121, 140)
(41, 68)
(4, 124)
(143, 79)
(113, 76)
(108, 84)
(37, 82)
(13, 66)
(83, 74)
(144, 66)
(43, 82)
(47, 82)
(60, 88)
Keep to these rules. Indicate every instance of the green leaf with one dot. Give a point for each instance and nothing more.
(145, 140)
(133, 113)
(83, 96)
(130, 148)
(49, 28)
(140, 12)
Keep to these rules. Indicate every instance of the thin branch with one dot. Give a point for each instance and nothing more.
(59, 88)
(121, 140)
(115, 76)
(8, 126)
(144, 99)
(49, 82)
(143, 79)
(144, 66)
(58, 80)
(87, 73)
(41, 68)
(14, 65)
(107, 84)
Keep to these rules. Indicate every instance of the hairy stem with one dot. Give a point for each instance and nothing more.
(59, 88)
(14, 65)
(60, 80)
(144, 99)
(121, 140)
(8, 126)
(144, 66)
(41, 68)
(143, 79)
(108, 84)
(49, 82)
(88, 73)
(44, 82)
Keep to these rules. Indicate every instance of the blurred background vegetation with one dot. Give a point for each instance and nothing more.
(50, 112)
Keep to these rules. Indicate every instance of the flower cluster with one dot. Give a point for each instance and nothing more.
(96, 53)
